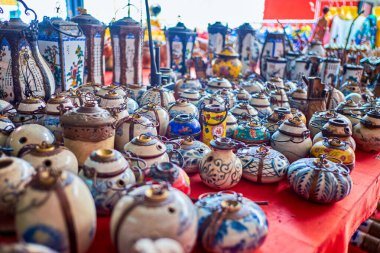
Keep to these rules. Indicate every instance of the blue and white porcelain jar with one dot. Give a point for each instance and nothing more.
(184, 125)
(228, 222)
(320, 180)
(159, 96)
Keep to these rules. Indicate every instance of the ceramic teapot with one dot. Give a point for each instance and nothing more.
(311, 179)
(158, 96)
(114, 103)
(261, 103)
(279, 115)
(6, 108)
(6, 128)
(132, 105)
(158, 114)
(351, 110)
(186, 84)
(183, 106)
(16, 173)
(278, 98)
(89, 87)
(244, 109)
(367, 132)
(292, 139)
(183, 125)
(168, 211)
(87, 128)
(220, 168)
(136, 92)
(252, 132)
(192, 96)
(217, 84)
(297, 113)
(227, 64)
(274, 83)
(231, 125)
(298, 99)
(350, 87)
(29, 111)
(52, 156)
(263, 164)
(120, 90)
(228, 96)
(25, 247)
(242, 95)
(228, 222)
(65, 221)
(320, 118)
(133, 126)
(253, 86)
(213, 99)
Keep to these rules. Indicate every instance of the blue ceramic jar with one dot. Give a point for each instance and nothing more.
(183, 125)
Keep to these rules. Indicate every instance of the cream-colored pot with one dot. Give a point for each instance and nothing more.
(6, 128)
(298, 99)
(367, 132)
(278, 98)
(320, 118)
(114, 103)
(107, 88)
(252, 86)
(244, 109)
(161, 245)
(158, 96)
(156, 114)
(6, 108)
(351, 110)
(279, 115)
(193, 96)
(262, 105)
(217, 84)
(183, 106)
(30, 111)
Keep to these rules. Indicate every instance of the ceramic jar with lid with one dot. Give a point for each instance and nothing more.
(213, 99)
(136, 91)
(335, 151)
(27, 135)
(312, 178)
(166, 211)
(185, 84)
(6, 128)
(278, 98)
(183, 125)
(336, 128)
(231, 125)
(290, 86)
(25, 247)
(263, 164)
(351, 110)
(217, 84)
(76, 96)
(262, 105)
(221, 169)
(149, 148)
(114, 103)
(6, 108)
(252, 132)
(133, 126)
(242, 95)
(52, 156)
(170, 173)
(367, 132)
(228, 97)
(244, 109)
(274, 83)
(320, 118)
(213, 119)
(132, 105)
(292, 139)
(29, 111)
(105, 89)
(279, 115)
(15, 173)
(87, 128)
(89, 87)
(192, 152)
(107, 174)
(349, 87)
(183, 106)
(65, 221)
(228, 222)
(193, 96)
(253, 86)
(298, 113)
(298, 99)
(157, 114)
(227, 64)
(158, 96)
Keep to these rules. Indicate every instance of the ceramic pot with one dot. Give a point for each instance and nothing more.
(192, 152)
(158, 96)
(252, 86)
(263, 164)
(336, 128)
(75, 96)
(193, 96)
(158, 246)
(133, 126)
(148, 148)
(297, 113)
(183, 125)
(136, 92)
(351, 110)
(182, 106)
(120, 90)
(29, 111)
(367, 132)
(114, 103)
(132, 105)
(221, 169)
(65, 221)
(228, 222)
(6, 128)
(231, 125)
(335, 150)
(15, 173)
(186, 84)
(228, 97)
(262, 105)
(168, 211)
(278, 98)
(279, 115)
(6, 108)
(158, 114)
(311, 178)
(251, 133)
(352, 72)
(242, 95)
(275, 67)
(214, 99)
(52, 156)
(227, 64)
(170, 173)
(274, 83)
(320, 118)
(217, 84)
(26, 136)
(244, 109)
(88, 128)
(89, 87)
(298, 99)
(107, 174)
(350, 87)
(213, 119)
(292, 139)
(25, 247)
(290, 86)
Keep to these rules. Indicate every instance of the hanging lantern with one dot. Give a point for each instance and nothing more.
(248, 47)
(126, 36)
(216, 38)
(63, 44)
(93, 29)
(181, 44)
(274, 46)
(23, 71)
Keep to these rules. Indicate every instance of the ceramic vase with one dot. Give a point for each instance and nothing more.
(227, 64)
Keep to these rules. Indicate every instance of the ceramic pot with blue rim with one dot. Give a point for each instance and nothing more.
(6, 128)
(244, 109)
(154, 211)
(231, 125)
(228, 222)
(183, 106)
(30, 110)
(263, 164)
(158, 96)
(320, 180)
(252, 132)
(261, 103)
(107, 174)
(158, 114)
(184, 125)
(65, 220)
(25, 247)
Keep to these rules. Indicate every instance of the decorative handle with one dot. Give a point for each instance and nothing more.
(27, 9)
(79, 33)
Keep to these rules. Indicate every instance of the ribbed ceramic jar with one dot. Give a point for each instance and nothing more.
(107, 174)
(251, 132)
(15, 173)
(148, 148)
(231, 125)
(262, 105)
(313, 178)
(298, 99)
(335, 150)
(154, 211)
(25, 247)
(158, 96)
(29, 111)
(351, 110)
(292, 139)
(6, 128)
(263, 164)
(228, 222)
(87, 128)
(183, 106)
(275, 83)
(133, 126)
(220, 168)
(157, 114)
(320, 118)
(114, 103)
(183, 125)
(244, 109)
(64, 218)
(218, 84)
(367, 132)
(26, 135)
(279, 115)
(242, 95)
(52, 156)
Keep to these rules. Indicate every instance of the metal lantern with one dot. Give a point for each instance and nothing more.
(126, 36)
(248, 47)
(274, 46)
(216, 38)
(63, 45)
(93, 29)
(181, 44)
(23, 71)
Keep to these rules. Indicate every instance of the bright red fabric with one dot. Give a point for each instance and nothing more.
(294, 9)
